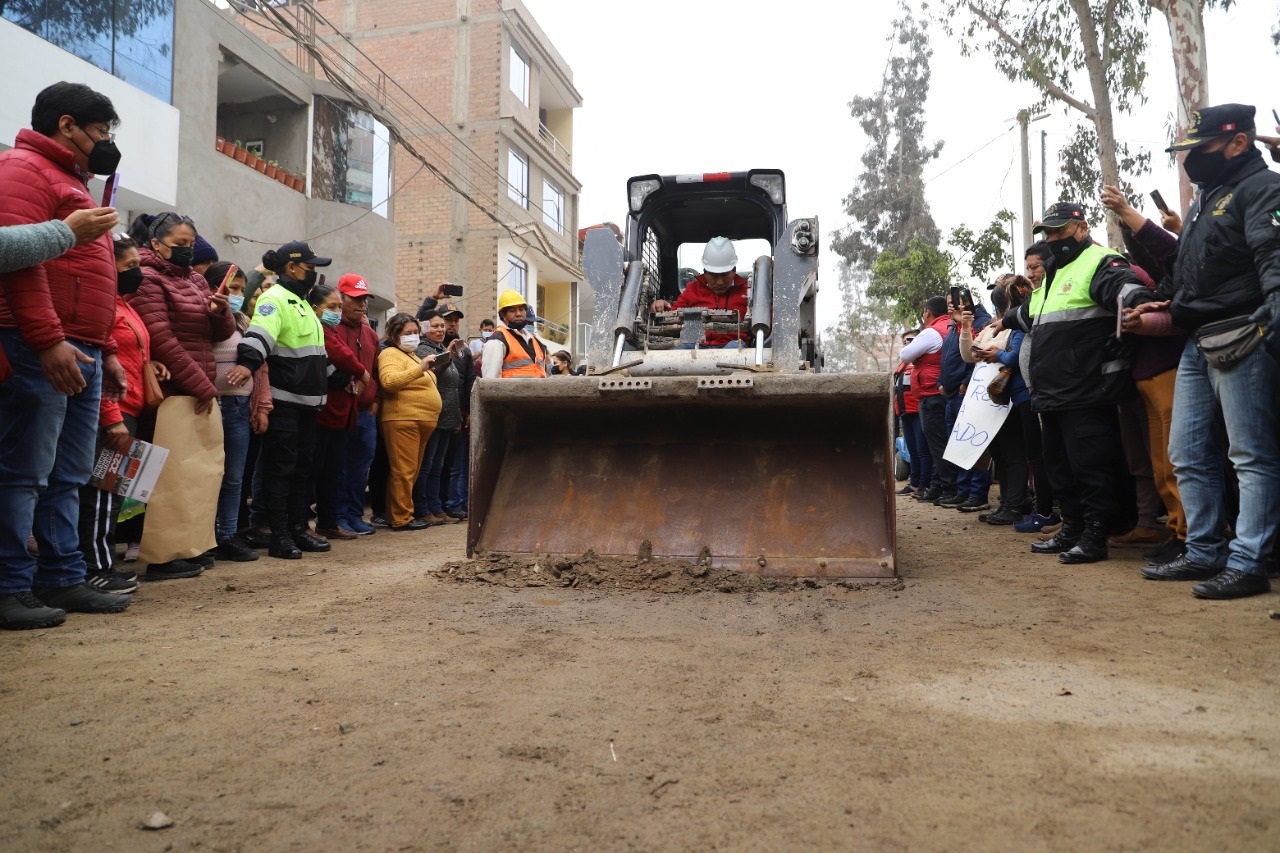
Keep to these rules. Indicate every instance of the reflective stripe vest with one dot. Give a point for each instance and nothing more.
(929, 365)
(519, 361)
(288, 334)
(1067, 297)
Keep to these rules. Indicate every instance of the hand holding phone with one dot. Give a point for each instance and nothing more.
(451, 289)
(955, 297)
(442, 360)
(1159, 200)
(232, 272)
(109, 190)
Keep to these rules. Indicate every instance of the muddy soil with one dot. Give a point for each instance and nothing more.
(392, 696)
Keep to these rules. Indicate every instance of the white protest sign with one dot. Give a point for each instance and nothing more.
(978, 420)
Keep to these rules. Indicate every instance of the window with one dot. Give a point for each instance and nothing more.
(518, 177)
(518, 275)
(553, 206)
(519, 75)
(133, 41)
(352, 156)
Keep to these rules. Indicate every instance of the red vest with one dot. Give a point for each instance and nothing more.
(929, 365)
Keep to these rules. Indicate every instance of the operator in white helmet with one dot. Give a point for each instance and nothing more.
(719, 286)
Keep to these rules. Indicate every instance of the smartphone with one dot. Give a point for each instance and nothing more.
(1159, 200)
(442, 360)
(320, 280)
(232, 272)
(966, 299)
(109, 190)
(1275, 115)
(451, 290)
(955, 296)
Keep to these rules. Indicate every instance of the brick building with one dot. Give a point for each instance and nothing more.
(475, 88)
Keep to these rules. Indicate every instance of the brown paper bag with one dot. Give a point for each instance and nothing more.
(183, 507)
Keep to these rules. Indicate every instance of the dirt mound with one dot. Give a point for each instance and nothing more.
(651, 574)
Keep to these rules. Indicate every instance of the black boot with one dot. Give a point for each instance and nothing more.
(1091, 548)
(282, 547)
(1064, 540)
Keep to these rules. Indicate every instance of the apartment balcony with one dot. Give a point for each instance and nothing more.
(555, 145)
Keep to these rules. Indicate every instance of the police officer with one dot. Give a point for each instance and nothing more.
(287, 335)
(513, 351)
(1225, 289)
(1078, 374)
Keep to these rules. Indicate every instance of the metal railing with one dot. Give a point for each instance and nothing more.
(556, 146)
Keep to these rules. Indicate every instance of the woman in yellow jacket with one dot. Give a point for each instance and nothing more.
(408, 414)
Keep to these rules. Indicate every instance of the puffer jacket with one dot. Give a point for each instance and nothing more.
(448, 383)
(74, 295)
(174, 303)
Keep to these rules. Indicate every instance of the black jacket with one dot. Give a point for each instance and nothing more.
(1079, 363)
(1229, 251)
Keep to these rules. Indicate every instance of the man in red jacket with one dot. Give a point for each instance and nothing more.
(719, 286)
(362, 438)
(55, 328)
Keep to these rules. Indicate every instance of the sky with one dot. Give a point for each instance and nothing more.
(674, 86)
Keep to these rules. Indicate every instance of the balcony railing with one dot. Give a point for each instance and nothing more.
(556, 146)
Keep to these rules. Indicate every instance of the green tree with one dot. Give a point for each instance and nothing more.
(906, 279)
(1044, 43)
(986, 253)
(866, 338)
(887, 205)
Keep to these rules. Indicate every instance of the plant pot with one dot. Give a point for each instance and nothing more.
(240, 154)
(299, 183)
(271, 171)
(219, 144)
(261, 165)
(283, 177)
(228, 148)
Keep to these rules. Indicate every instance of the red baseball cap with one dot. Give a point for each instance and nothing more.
(353, 285)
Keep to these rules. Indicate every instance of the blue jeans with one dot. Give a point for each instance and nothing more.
(360, 446)
(46, 454)
(235, 444)
(458, 473)
(1245, 396)
(426, 490)
(921, 458)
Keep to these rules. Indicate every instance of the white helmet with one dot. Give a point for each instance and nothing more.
(719, 256)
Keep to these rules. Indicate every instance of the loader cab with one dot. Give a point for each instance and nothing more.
(669, 212)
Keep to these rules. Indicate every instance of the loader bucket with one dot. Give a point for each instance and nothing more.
(784, 475)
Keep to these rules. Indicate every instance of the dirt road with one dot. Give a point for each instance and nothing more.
(364, 700)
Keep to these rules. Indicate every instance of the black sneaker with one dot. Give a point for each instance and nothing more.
(950, 501)
(1168, 552)
(974, 504)
(256, 537)
(23, 611)
(172, 570)
(460, 514)
(81, 599)
(109, 582)
(1002, 516)
(235, 550)
(927, 495)
(379, 521)
(205, 560)
(1232, 583)
(905, 490)
(126, 575)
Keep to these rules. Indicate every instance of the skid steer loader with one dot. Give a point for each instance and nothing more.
(750, 459)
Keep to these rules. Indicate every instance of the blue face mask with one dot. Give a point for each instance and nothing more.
(330, 318)
(235, 302)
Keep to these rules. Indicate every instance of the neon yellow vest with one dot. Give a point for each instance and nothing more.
(1070, 288)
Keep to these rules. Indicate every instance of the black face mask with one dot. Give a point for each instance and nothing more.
(1064, 252)
(129, 280)
(517, 325)
(309, 279)
(104, 157)
(181, 256)
(1204, 168)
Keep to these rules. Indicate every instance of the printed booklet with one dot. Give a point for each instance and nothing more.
(132, 474)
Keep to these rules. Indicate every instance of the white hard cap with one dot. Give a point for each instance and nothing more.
(719, 255)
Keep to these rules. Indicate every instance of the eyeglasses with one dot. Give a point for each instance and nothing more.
(100, 135)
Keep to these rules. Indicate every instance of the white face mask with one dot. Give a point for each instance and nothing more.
(409, 343)
(485, 334)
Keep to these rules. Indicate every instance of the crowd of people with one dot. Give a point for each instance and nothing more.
(328, 429)
(1141, 384)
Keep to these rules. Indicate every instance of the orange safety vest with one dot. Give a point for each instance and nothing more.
(524, 358)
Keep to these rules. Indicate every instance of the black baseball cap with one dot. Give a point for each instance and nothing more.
(447, 308)
(299, 252)
(1062, 213)
(1213, 123)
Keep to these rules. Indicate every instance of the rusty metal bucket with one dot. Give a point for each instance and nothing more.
(787, 475)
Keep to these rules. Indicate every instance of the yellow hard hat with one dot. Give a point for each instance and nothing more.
(510, 299)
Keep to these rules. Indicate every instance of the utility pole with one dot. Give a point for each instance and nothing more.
(1028, 210)
(1044, 170)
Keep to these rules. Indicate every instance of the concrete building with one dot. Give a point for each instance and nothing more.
(187, 76)
(477, 89)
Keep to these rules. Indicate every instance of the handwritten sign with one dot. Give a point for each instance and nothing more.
(978, 420)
